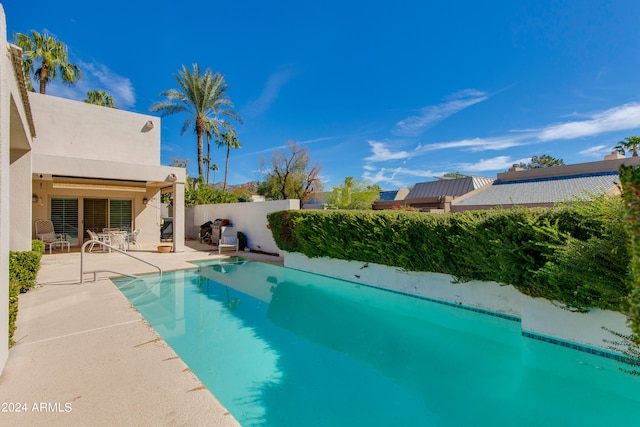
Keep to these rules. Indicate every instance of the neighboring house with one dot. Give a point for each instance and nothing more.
(390, 198)
(547, 186)
(80, 165)
(437, 196)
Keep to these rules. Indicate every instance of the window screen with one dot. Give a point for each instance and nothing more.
(120, 214)
(64, 215)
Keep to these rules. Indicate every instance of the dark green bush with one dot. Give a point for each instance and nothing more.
(37, 246)
(23, 268)
(14, 291)
(630, 182)
(576, 254)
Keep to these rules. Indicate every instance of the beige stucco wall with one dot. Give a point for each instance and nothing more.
(15, 173)
(80, 140)
(69, 128)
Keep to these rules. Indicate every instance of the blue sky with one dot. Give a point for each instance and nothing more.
(392, 93)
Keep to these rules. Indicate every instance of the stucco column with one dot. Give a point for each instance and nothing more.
(5, 108)
(178, 217)
(21, 203)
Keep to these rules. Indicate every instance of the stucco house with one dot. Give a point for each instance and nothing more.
(80, 165)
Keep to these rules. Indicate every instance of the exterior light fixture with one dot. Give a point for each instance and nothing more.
(145, 201)
(149, 124)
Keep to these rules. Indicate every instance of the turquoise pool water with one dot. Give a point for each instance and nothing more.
(281, 347)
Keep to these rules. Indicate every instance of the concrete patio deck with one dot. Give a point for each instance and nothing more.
(85, 356)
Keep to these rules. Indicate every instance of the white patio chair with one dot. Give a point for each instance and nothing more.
(132, 239)
(105, 238)
(119, 239)
(46, 233)
(228, 239)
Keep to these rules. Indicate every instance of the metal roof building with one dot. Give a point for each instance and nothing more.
(547, 186)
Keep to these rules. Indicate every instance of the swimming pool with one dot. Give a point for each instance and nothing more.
(282, 347)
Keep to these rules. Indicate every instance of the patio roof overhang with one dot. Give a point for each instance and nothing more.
(66, 172)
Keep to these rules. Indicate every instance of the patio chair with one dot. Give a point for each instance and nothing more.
(46, 233)
(132, 239)
(228, 240)
(105, 238)
(119, 239)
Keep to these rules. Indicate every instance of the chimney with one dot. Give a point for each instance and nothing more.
(614, 156)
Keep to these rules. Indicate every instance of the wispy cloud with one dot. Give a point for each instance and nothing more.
(476, 144)
(96, 76)
(493, 164)
(270, 92)
(623, 117)
(283, 146)
(382, 154)
(398, 177)
(433, 114)
(597, 151)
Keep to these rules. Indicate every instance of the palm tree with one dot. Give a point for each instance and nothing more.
(100, 97)
(204, 98)
(53, 57)
(214, 168)
(631, 143)
(230, 141)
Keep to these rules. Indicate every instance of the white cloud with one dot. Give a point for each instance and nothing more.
(270, 92)
(433, 114)
(597, 151)
(97, 77)
(493, 164)
(623, 117)
(394, 176)
(475, 144)
(381, 153)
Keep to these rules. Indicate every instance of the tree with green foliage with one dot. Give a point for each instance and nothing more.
(630, 143)
(100, 97)
(203, 97)
(544, 161)
(229, 140)
(454, 175)
(353, 194)
(290, 176)
(203, 194)
(53, 56)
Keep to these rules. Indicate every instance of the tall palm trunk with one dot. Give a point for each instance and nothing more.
(43, 77)
(200, 130)
(226, 169)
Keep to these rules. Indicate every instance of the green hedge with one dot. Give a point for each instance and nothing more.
(630, 181)
(577, 254)
(23, 269)
(14, 291)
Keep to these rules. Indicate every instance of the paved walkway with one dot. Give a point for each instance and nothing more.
(85, 356)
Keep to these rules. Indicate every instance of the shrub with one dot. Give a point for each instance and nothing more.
(14, 291)
(37, 246)
(576, 254)
(24, 267)
(630, 181)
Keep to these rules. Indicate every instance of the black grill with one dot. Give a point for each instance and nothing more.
(210, 231)
(205, 231)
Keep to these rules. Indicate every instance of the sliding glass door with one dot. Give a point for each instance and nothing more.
(64, 215)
